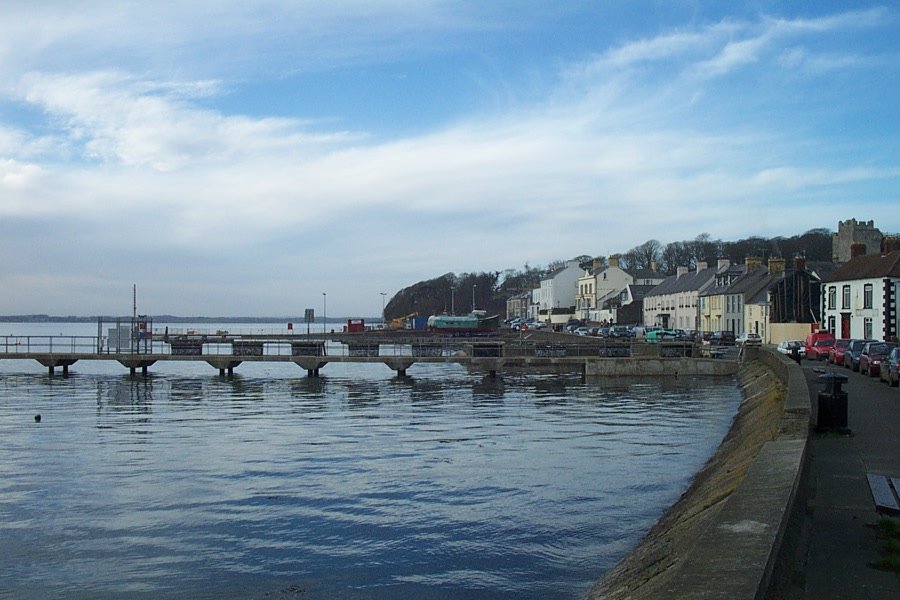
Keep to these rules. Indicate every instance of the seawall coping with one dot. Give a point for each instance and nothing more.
(735, 555)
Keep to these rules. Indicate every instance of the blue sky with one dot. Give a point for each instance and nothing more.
(235, 158)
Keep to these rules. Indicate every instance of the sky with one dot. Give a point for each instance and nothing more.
(261, 158)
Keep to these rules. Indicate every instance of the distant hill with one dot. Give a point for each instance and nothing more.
(451, 292)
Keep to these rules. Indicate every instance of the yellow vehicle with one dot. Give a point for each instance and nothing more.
(400, 322)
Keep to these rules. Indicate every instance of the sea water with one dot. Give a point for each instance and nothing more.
(356, 484)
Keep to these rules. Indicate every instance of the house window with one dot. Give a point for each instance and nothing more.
(831, 323)
(867, 328)
(845, 297)
(867, 295)
(832, 297)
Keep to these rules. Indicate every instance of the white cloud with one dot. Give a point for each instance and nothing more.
(135, 173)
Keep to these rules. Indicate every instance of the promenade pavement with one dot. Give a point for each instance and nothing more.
(838, 540)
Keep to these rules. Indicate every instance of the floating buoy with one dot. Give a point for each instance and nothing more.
(37, 418)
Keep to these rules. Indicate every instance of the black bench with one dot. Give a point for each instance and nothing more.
(884, 492)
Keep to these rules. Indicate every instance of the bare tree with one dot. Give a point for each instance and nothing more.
(674, 255)
(643, 256)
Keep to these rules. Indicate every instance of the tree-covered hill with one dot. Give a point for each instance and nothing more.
(455, 293)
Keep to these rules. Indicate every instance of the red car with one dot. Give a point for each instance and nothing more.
(872, 356)
(817, 345)
(836, 352)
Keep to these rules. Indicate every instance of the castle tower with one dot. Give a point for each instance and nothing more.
(854, 232)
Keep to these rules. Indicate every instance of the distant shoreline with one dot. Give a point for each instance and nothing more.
(168, 319)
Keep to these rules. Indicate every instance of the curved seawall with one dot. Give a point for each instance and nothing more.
(721, 538)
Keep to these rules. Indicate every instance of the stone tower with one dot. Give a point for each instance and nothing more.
(854, 232)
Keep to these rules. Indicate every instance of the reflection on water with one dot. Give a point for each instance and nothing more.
(357, 484)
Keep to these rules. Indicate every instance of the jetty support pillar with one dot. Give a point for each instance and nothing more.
(52, 363)
(224, 365)
(133, 364)
(311, 364)
(400, 365)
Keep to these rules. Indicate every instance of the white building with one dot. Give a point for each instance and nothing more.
(556, 296)
(604, 288)
(859, 299)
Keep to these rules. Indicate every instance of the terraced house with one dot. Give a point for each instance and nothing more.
(674, 302)
(860, 299)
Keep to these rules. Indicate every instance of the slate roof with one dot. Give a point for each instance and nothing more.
(639, 291)
(689, 282)
(734, 272)
(868, 266)
(751, 283)
(644, 274)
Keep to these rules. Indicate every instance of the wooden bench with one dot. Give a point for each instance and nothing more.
(884, 492)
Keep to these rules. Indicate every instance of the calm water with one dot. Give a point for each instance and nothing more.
(185, 484)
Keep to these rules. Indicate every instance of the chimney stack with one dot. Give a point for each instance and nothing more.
(723, 263)
(701, 265)
(752, 263)
(890, 243)
(681, 271)
(800, 263)
(776, 266)
(614, 260)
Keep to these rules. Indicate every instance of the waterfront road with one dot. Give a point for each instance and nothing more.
(839, 541)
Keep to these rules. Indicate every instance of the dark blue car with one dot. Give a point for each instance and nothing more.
(851, 354)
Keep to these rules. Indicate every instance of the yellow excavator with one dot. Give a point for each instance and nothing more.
(400, 322)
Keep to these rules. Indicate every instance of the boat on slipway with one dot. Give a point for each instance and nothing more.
(476, 322)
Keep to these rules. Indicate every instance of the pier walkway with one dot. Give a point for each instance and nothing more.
(399, 351)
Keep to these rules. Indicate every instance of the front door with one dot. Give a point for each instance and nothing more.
(845, 325)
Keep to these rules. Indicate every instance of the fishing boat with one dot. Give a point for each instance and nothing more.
(475, 322)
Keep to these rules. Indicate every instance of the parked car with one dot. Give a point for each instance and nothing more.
(583, 331)
(748, 339)
(658, 335)
(641, 332)
(619, 331)
(890, 368)
(689, 335)
(836, 352)
(872, 355)
(851, 354)
(817, 344)
(722, 338)
(789, 346)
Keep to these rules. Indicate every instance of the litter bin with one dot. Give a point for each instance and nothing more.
(832, 405)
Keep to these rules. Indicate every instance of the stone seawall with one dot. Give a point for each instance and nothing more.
(655, 367)
(721, 538)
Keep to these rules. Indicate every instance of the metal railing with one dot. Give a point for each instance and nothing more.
(217, 346)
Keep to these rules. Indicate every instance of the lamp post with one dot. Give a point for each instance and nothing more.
(474, 285)
(452, 301)
(324, 310)
(383, 319)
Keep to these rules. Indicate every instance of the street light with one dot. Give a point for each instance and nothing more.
(474, 285)
(383, 294)
(324, 310)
